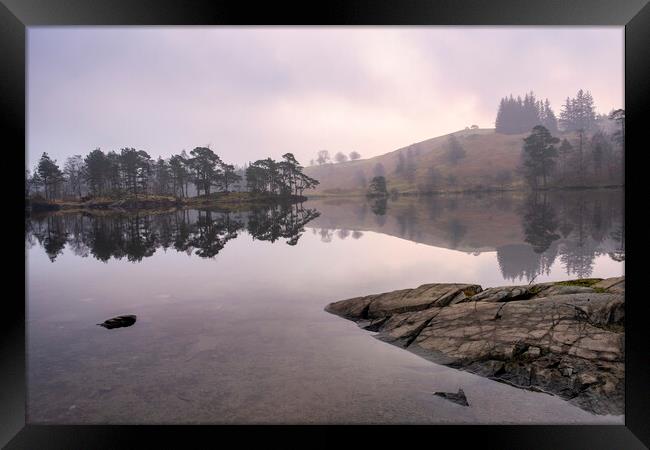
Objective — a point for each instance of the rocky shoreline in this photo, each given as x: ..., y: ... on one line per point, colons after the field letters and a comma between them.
x: 562, y: 338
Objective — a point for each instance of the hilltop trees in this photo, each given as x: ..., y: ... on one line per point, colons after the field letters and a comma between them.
x: 578, y: 114
x: 538, y: 156
x: 547, y: 116
x: 354, y: 155
x: 521, y: 115
x: 340, y: 157
x: 323, y: 157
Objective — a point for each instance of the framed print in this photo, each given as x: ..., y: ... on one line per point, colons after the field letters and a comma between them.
x: 289, y: 219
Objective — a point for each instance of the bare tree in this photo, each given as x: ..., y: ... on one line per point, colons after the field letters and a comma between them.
x: 323, y: 157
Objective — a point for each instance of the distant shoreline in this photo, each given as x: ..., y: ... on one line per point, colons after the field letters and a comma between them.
x: 471, y: 191
x: 227, y: 201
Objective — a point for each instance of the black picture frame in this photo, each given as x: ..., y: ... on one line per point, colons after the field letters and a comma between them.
x: 16, y: 15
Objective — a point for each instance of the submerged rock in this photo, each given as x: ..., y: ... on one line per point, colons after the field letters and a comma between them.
x: 118, y: 322
x: 562, y: 338
x: 456, y: 397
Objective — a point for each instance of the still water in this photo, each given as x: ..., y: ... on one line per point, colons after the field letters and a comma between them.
x: 230, y: 322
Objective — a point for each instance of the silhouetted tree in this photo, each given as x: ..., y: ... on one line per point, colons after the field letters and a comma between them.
x: 49, y: 175
x: 538, y: 155
x: 136, y: 168
x: 204, y: 163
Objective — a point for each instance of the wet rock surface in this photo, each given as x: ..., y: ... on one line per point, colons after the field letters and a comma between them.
x: 564, y: 338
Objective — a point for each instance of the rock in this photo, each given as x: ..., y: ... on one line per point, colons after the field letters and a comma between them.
x: 118, y: 322
x: 542, y: 290
x: 456, y: 397
x: 532, y: 352
x: 501, y: 294
x: 354, y: 308
x: 404, y: 300
x: 562, y: 339
x: 516, y: 293
x: 615, y: 285
x: 567, y: 371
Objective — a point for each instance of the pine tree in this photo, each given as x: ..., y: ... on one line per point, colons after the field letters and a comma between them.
x: 49, y: 174
x: 538, y: 155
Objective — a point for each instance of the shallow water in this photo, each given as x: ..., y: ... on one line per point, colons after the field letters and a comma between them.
x: 230, y: 322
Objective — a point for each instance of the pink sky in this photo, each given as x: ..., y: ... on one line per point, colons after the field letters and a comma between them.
x: 253, y: 92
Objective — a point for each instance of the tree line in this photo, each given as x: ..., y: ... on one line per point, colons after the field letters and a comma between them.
x: 546, y: 158
x: 323, y: 157
x: 132, y: 171
x: 285, y: 177
x: 517, y: 115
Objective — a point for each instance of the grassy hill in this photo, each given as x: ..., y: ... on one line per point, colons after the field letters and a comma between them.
x: 491, y: 162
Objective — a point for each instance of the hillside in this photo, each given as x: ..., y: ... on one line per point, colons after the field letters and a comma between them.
x: 491, y: 162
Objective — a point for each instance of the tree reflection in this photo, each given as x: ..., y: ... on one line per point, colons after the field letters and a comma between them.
x: 379, y: 205
x: 137, y: 236
x: 283, y: 221
x: 539, y: 222
x: 574, y: 226
x: 51, y: 234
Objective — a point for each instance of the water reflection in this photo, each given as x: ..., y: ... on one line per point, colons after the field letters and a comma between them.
x: 138, y: 235
x: 529, y: 232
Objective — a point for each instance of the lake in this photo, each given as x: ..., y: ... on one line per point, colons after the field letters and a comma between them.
x: 230, y: 322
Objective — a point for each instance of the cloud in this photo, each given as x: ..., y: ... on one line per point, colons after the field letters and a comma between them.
x: 252, y: 92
